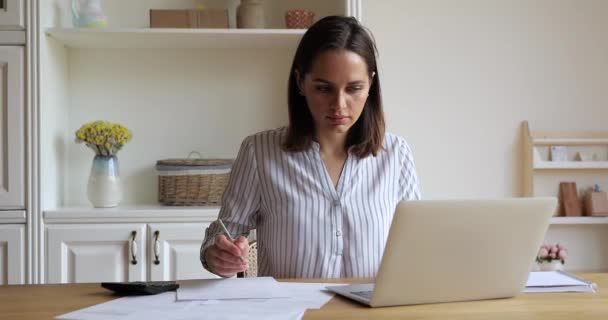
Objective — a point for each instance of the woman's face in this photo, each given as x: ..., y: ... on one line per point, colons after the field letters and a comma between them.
x: 336, y: 89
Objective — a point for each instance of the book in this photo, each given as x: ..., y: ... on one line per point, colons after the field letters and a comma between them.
x: 557, y: 281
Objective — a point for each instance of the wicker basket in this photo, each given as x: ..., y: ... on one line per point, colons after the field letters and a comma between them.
x: 192, y: 182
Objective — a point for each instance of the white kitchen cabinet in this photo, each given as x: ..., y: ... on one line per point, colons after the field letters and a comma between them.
x: 12, y: 254
x: 96, y: 253
x: 174, y: 251
x: 92, y: 245
x: 12, y: 14
x: 12, y: 139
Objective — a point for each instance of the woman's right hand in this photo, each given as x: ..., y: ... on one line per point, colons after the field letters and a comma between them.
x: 224, y: 257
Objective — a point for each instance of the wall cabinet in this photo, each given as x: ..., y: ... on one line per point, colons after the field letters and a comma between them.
x: 124, y: 252
x: 12, y: 254
x: 94, y: 253
x: 12, y: 135
x: 174, y: 251
x: 12, y: 14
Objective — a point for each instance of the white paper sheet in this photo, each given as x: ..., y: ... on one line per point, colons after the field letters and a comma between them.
x: 137, y: 307
x: 302, y: 296
x: 556, y: 281
x: 232, y: 288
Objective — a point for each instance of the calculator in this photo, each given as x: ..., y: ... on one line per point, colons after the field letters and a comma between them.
x: 140, y: 287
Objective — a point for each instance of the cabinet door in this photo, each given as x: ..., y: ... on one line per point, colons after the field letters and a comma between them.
x: 96, y: 253
x: 174, y: 251
x: 12, y: 14
x: 12, y: 136
x: 12, y: 254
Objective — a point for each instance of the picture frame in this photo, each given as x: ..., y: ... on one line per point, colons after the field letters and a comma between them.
x: 558, y: 153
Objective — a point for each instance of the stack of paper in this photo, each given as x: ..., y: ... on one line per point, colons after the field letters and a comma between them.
x: 221, y: 299
x: 557, y: 281
x: 231, y: 288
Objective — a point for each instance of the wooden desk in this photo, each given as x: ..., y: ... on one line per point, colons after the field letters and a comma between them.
x: 46, y: 301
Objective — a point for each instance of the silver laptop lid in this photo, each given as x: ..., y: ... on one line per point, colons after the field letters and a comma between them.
x: 457, y: 250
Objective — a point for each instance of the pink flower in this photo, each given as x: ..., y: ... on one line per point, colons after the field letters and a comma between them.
x: 553, y: 255
x: 546, y: 246
x: 563, y: 254
x: 553, y: 249
x: 543, y: 253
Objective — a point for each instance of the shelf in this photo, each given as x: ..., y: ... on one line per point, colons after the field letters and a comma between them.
x: 570, y: 141
x: 579, y: 220
x: 176, y: 38
x: 568, y: 165
x: 143, y: 214
x: 17, y: 216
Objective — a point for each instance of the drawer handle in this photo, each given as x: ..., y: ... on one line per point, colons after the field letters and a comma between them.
x: 156, y: 247
x: 133, y: 247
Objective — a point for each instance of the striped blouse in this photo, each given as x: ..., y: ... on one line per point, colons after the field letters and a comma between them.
x: 305, y: 226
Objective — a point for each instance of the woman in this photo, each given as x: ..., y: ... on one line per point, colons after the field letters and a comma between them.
x: 321, y: 193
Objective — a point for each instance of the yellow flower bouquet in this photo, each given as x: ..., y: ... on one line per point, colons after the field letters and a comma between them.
x: 105, y: 138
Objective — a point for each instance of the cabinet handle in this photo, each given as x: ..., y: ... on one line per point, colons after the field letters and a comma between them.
x: 156, y: 247
x: 133, y: 247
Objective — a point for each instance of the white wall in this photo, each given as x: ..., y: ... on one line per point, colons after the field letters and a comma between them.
x: 459, y: 77
x: 188, y: 100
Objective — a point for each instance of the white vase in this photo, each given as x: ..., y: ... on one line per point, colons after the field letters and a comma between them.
x: 250, y: 14
x: 553, y: 265
x: 104, y: 188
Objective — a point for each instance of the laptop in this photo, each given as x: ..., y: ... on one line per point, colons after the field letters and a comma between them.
x: 456, y: 250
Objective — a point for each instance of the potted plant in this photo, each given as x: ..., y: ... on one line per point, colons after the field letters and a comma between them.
x: 551, y: 257
x: 105, y: 139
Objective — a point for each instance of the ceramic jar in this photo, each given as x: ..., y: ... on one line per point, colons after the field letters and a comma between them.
x: 250, y: 14
x: 104, y: 189
x: 553, y: 265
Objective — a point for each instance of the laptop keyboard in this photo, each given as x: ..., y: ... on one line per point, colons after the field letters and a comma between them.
x: 364, y: 294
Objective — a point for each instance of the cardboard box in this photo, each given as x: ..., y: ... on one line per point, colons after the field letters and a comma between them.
x: 213, y: 18
x: 192, y: 18
x: 596, y: 204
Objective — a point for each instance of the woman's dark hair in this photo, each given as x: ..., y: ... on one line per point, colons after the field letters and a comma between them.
x: 331, y: 33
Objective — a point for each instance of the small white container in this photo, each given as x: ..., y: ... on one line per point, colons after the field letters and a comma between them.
x: 554, y: 265
x: 104, y: 189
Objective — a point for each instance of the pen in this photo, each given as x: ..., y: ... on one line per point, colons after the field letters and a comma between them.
x: 228, y: 234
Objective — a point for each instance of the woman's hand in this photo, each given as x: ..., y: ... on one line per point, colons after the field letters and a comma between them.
x: 226, y: 258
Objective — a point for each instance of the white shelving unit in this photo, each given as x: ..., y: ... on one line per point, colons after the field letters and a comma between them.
x: 539, y: 169
x: 568, y: 165
x: 584, y: 140
x: 585, y: 237
x: 178, y: 90
x: 578, y: 220
x: 75, y: 38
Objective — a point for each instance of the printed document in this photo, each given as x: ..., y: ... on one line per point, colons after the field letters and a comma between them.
x: 557, y: 281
